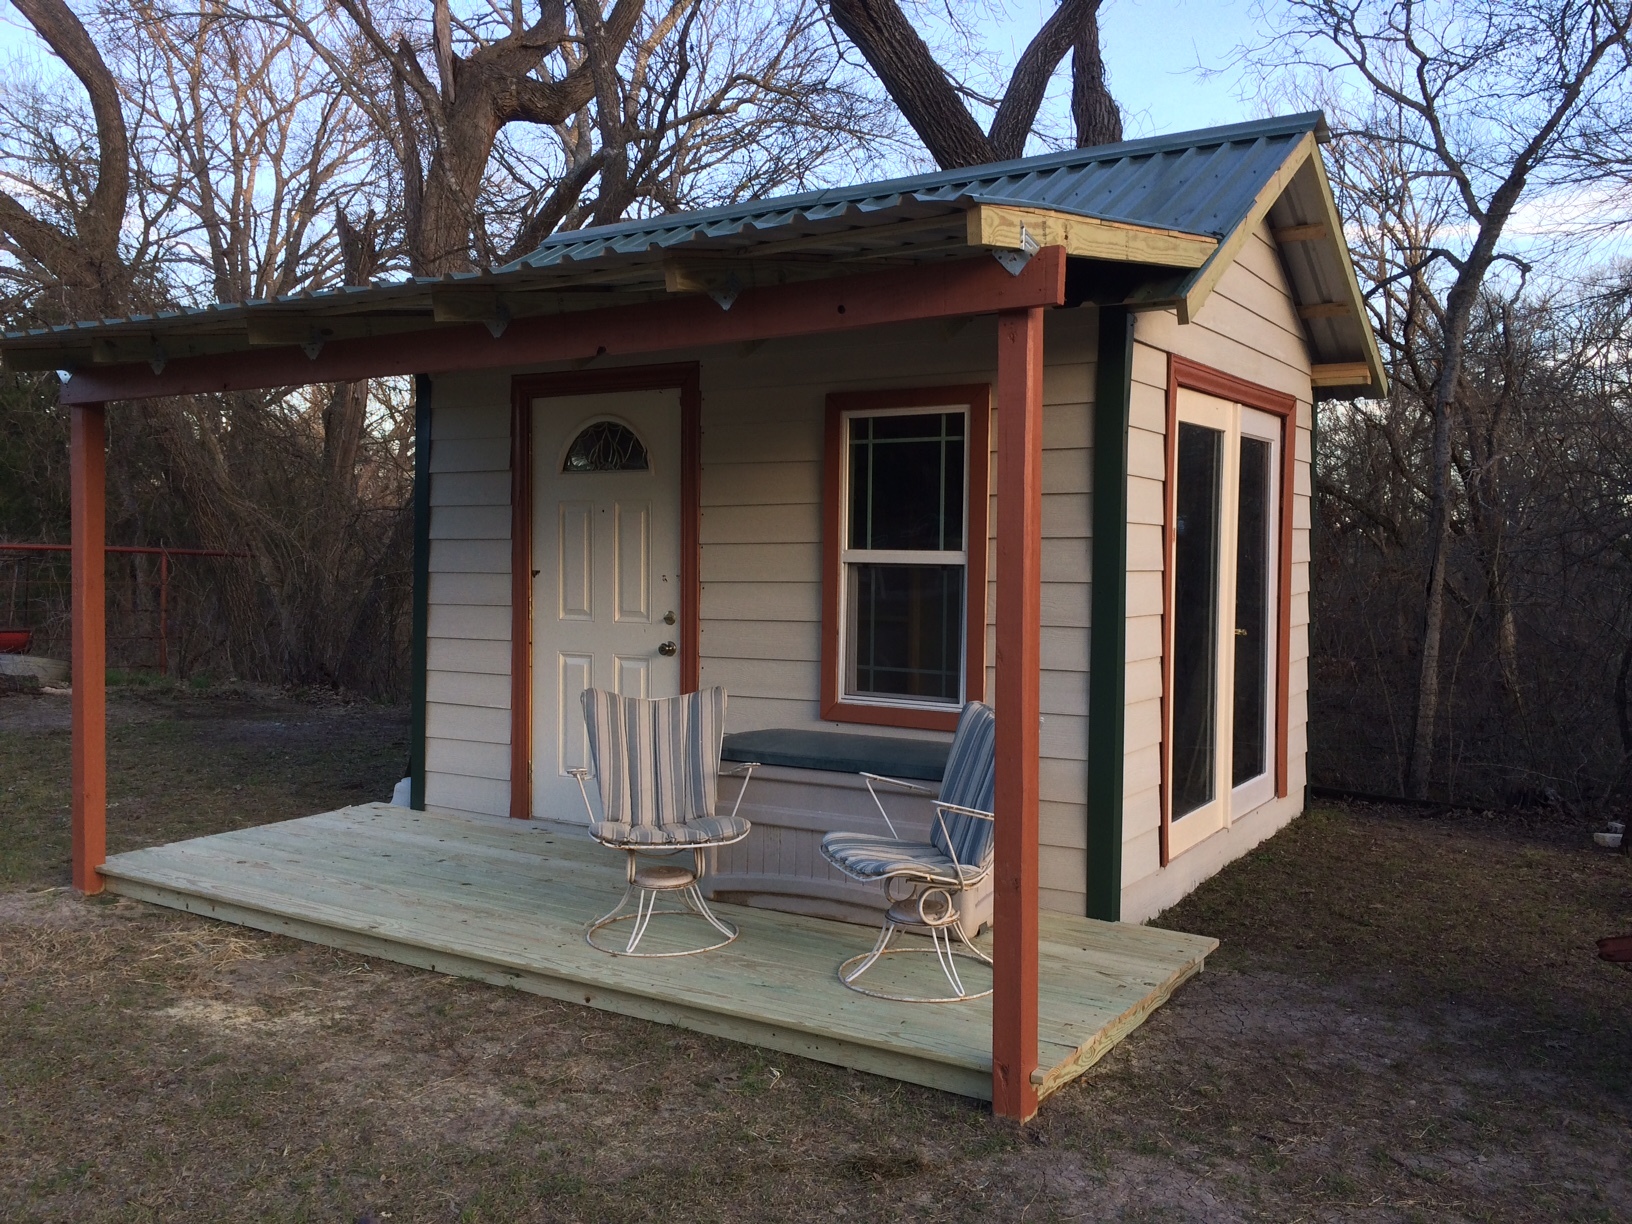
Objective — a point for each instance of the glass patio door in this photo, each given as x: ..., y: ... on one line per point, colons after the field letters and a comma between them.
x: 1224, y: 593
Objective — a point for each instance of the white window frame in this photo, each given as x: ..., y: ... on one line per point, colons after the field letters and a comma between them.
x: 898, y: 556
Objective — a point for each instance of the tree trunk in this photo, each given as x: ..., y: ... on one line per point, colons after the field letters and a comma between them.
x: 1458, y: 311
x: 86, y: 263
x: 1095, y: 113
x: 915, y: 82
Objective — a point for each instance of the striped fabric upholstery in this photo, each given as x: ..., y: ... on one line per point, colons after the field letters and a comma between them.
x: 657, y: 765
x: 969, y: 781
x: 709, y: 831
x: 864, y: 856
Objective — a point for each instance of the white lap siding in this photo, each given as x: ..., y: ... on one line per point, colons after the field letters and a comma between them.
x: 467, y: 715
x: 763, y: 418
x: 763, y: 414
x: 1249, y: 327
x: 761, y: 493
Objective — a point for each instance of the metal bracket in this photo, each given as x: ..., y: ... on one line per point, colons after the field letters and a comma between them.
x: 499, y: 321
x: 312, y: 347
x: 1014, y: 261
x: 157, y: 360
x: 725, y: 293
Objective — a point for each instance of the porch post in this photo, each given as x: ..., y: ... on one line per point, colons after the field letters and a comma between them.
x: 1019, y: 616
x: 87, y: 483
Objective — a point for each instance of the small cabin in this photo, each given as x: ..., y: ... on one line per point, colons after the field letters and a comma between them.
x: 1036, y: 433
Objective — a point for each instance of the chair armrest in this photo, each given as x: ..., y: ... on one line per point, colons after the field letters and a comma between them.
x: 963, y: 811
x: 746, y: 769
x: 578, y: 774
x: 912, y: 786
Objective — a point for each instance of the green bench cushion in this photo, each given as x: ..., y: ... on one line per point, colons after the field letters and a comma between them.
x: 841, y: 752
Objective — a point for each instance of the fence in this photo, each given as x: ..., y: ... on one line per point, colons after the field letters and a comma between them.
x: 155, y: 621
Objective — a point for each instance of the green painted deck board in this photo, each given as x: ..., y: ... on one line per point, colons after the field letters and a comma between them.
x: 507, y: 902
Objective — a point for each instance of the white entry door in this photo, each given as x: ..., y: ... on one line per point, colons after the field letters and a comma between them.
x: 606, y: 560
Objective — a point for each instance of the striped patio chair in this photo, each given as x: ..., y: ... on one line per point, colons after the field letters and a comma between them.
x: 657, y: 769
x: 957, y: 857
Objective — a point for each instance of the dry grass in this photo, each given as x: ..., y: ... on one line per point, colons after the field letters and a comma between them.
x: 1405, y: 1022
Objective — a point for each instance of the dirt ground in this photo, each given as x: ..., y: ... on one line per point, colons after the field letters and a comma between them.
x: 1405, y: 1021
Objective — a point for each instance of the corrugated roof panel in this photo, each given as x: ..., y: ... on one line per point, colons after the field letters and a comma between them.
x: 1195, y: 182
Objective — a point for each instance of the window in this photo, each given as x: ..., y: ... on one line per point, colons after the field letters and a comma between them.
x: 1227, y: 617
x: 605, y: 446
x: 905, y: 555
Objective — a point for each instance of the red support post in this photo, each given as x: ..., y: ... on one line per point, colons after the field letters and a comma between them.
x: 87, y: 479
x: 1019, y: 619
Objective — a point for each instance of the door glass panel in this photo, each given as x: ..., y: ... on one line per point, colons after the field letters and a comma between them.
x: 906, y: 631
x: 1195, y: 617
x: 1252, y: 613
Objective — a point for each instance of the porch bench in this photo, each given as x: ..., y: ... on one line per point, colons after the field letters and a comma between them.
x: 809, y: 785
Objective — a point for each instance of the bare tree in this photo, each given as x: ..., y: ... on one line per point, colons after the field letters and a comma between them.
x: 1501, y: 102
x: 937, y: 106
x: 76, y: 253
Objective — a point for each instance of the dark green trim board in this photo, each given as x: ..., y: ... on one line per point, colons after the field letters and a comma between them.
x: 1108, y: 614
x: 422, y: 590
x: 1314, y: 539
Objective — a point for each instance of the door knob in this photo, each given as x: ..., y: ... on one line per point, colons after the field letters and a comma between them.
x: 668, y: 650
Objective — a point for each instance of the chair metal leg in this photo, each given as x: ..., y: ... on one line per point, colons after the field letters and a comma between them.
x: 647, y: 884
x: 909, y: 915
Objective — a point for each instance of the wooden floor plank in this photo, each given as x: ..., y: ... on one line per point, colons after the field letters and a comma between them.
x: 508, y: 902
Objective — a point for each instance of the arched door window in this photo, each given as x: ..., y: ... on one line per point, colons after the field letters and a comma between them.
x: 606, y: 446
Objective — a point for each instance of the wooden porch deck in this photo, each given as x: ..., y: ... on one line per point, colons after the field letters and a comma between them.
x: 507, y: 902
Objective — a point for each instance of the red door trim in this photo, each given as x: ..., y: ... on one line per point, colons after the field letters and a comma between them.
x: 1184, y: 373
x: 685, y: 377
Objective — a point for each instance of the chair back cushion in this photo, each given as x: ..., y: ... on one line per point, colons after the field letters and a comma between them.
x: 656, y: 762
x: 969, y: 781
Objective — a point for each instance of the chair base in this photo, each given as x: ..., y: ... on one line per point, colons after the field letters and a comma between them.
x: 941, y: 947
x: 648, y: 883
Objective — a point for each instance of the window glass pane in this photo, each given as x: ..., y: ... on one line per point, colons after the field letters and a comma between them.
x: 906, y: 481
x: 1195, y: 617
x: 605, y: 446
x: 1252, y: 614
x: 905, y: 631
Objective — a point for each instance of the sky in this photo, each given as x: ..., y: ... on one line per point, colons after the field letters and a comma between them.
x: 1151, y: 47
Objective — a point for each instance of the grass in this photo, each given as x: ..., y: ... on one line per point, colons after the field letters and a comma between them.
x: 1405, y: 1021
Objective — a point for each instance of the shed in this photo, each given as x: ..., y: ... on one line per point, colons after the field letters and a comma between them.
x: 1036, y: 432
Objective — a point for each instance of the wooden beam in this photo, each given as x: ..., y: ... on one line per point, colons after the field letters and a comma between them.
x: 935, y: 291
x: 951, y: 223
x: 30, y: 361
x: 270, y: 330
x: 1271, y: 191
x: 1376, y: 376
x: 1019, y: 621
x: 87, y: 483
x: 1341, y: 374
x: 993, y: 225
x: 477, y: 305
x: 1326, y: 310
x: 1303, y: 233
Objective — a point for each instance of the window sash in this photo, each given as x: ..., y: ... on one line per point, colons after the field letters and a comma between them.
x: 850, y: 557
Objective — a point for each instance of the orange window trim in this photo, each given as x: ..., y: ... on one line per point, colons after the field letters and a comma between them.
x: 978, y: 398
x: 1191, y: 375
